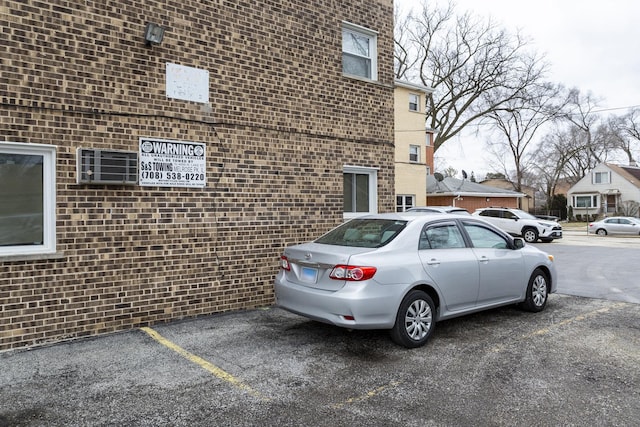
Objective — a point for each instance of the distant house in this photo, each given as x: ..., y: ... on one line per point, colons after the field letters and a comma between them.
x: 413, y: 145
x: 527, y: 203
x: 605, y: 191
x: 469, y: 195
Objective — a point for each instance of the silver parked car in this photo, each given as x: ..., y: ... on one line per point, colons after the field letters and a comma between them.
x: 615, y: 225
x: 439, y: 209
x: 404, y: 272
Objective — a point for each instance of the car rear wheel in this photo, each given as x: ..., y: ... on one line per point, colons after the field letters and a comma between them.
x: 530, y: 235
x: 414, y: 321
x: 537, y: 291
x: 601, y: 232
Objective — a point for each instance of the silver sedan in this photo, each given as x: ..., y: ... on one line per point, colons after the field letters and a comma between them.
x: 404, y: 272
x: 616, y: 225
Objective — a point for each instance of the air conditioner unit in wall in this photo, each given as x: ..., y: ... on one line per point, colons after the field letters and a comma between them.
x: 107, y: 167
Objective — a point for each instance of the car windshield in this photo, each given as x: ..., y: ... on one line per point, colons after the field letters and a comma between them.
x: 364, y: 233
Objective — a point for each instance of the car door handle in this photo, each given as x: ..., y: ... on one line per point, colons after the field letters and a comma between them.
x: 433, y: 261
x: 484, y: 259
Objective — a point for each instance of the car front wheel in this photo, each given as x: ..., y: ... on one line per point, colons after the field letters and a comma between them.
x: 537, y: 291
x: 414, y: 321
x: 530, y: 235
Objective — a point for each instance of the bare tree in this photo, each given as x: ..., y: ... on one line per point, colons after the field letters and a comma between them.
x: 629, y: 208
x: 450, y: 172
x: 577, y: 144
x: 552, y: 160
x: 518, y: 121
x: 589, y: 133
x: 473, y: 66
x: 626, y: 132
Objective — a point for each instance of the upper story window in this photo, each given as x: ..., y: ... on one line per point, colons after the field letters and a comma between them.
x: 359, y: 51
x: 360, y: 194
x: 414, y: 153
x: 27, y: 199
x: 601, y: 177
x: 428, y: 139
x: 414, y: 102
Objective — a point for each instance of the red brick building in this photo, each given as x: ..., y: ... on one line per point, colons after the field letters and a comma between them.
x: 469, y: 195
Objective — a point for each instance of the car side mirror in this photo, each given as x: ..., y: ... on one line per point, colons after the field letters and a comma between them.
x: 518, y: 242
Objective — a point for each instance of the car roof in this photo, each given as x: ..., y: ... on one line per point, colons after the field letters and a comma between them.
x: 497, y: 207
x: 428, y: 218
x: 410, y: 216
x: 437, y: 209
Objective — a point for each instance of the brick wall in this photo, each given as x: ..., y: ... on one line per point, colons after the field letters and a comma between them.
x: 281, y: 123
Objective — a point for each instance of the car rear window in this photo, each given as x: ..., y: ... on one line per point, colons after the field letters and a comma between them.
x: 364, y: 233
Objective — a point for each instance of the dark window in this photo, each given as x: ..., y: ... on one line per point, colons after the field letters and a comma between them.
x: 21, y: 194
x: 366, y: 233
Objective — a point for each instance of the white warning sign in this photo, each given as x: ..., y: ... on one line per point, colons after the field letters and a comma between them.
x: 165, y: 163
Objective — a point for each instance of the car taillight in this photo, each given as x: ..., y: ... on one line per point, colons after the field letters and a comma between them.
x: 352, y: 273
x: 284, y: 263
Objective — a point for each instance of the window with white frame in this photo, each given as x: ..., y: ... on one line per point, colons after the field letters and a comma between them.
x: 585, y: 201
x: 27, y: 199
x: 359, y: 191
x: 414, y: 153
x: 404, y: 202
x: 359, y: 51
x: 414, y: 102
x: 601, y: 178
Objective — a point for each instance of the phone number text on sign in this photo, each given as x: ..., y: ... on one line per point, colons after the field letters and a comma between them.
x: 165, y: 163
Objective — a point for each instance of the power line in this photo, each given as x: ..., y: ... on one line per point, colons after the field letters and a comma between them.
x: 615, y: 108
x: 477, y: 125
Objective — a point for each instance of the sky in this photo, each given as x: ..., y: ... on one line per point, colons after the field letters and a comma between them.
x: 591, y: 45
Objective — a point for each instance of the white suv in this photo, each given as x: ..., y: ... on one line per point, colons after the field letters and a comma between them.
x: 520, y: 223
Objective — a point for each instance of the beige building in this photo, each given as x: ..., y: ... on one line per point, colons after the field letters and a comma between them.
x: 413, y: 145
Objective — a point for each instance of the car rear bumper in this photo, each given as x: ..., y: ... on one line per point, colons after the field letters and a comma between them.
x: 371, y: 305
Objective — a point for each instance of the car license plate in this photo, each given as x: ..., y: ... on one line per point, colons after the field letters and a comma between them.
x: 309, y: 275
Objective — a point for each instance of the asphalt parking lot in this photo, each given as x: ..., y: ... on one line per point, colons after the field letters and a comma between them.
x: 597, y: 267
x: 576, y: 363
